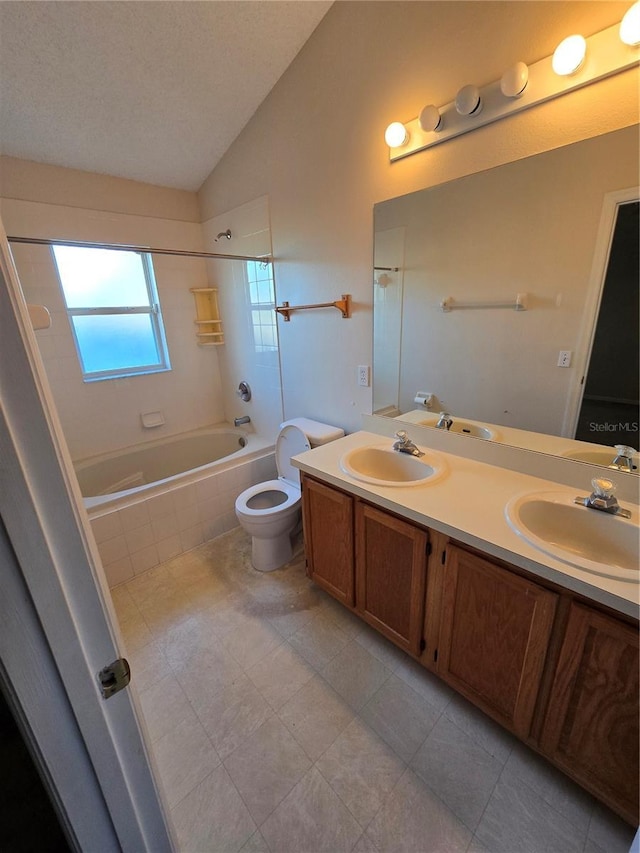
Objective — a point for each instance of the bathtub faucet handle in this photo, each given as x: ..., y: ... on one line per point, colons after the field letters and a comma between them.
x: 244, y: 391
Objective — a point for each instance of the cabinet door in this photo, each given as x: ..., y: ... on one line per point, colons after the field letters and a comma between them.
x: 591, y: 724
x: 390, y: 575
x: 327, y: 515
x: 494, y: 635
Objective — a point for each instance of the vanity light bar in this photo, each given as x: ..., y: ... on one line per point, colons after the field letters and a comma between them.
x: 605, y: 56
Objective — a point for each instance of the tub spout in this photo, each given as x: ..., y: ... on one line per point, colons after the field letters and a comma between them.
x: 244, y: 420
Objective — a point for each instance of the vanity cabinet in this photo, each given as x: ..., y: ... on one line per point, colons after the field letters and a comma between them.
x: 494, y: 633
x: 327, y: 515
x: 591, y: 722
x: 391, y: 557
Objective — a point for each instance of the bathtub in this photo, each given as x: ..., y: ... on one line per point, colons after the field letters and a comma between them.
x: 150, y: 503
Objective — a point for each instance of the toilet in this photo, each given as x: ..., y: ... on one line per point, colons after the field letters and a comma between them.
x: 270, y: 511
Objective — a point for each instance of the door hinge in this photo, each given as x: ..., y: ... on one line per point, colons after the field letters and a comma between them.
x: 114, y: 677
x: 429, y: 549
x: 443, y: 557
x: 435, y: 656
x: 423, y: 644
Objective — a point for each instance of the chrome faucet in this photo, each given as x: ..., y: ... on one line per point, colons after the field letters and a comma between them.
x: 603, y: 499
x: 624, y: 458
x: 445, y: 421
x: 245, y: 419
x: 405, y: 445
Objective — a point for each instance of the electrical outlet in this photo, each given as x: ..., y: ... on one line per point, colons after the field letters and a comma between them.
x: 564, y: 358
x: 363, y: 375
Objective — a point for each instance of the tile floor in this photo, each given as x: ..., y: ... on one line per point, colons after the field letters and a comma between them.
x: 280, y: 722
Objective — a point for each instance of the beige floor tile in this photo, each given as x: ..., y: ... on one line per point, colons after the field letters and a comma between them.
x: 365, y: 845
x: 149, y: 664
x: 185, y: 756
x: 232, y: 714
x: 124, y: 605
x: 136, y: 634
x: 212, y: 817
x: 516, y: 818
x: 251, y: 640
x: 381, y: 648
x: 608, y: 831
x: 164, y: 705
x: 319, y: 641
x: 152, y: 585
x: 361, y: 769
x: 429, y: 686
x: 401, y: 717
x: 280, y: 674
x: 315, y: 716
x: 190, y: 638
x: 457, y: 770
x: 266, y: 767
x: 294, y: 610
x: 256, y: 844
x: 552, y: 785
x: 413, y: 819
x: 341, y: 616
x: 480, y: 728
x: 355, y: 674
x: 311, y: 818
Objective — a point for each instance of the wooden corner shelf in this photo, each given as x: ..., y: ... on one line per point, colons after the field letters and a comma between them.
x: 209, y: 325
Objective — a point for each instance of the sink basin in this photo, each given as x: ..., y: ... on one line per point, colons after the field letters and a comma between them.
x: 597, y: 457
x: 383, y: 466
x: 589, y: 539
x: 466, y: 428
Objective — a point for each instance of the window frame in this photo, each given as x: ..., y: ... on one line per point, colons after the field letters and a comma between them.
x: 152, y: 310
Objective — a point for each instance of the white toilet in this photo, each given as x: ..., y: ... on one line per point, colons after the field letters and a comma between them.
x: 270, y: 511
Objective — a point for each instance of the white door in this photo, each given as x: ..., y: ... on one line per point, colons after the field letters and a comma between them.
x: 57, y: 625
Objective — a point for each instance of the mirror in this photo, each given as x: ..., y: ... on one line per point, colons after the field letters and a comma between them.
x: 517, y: 254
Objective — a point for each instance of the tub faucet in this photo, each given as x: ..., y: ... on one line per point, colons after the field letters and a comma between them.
x: 245, y: 419
x: 405, y: 445
x: 603, y: 499
x: 445, y: 421
x: 624, y: 458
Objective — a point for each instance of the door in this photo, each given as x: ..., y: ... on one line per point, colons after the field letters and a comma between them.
x: 494, y: 635
x: 327, y: 516
x: 57, y: 627
x: 391, y: 565
x: 591, y: 723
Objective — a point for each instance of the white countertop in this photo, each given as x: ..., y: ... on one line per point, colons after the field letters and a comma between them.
x: 468, y: 504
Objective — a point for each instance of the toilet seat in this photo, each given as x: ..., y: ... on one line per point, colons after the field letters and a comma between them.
x: 292, y: 492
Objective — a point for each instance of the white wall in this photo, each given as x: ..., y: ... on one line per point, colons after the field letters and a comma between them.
x: 316, y: 147
x: 102, y: 416
x: 240, y: 359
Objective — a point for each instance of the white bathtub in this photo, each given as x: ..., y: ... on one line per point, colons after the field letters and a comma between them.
x: 181, y: 493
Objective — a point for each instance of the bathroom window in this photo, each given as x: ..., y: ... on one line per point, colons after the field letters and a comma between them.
x: 263, y: 302
x: 113, y: 308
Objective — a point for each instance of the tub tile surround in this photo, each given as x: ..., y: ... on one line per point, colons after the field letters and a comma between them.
x: 261, y: 752
x: 150, y: 531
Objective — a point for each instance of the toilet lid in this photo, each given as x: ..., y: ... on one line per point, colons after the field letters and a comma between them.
x: 291, y: 441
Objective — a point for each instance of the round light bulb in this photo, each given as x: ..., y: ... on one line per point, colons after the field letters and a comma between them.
x: 430, y: 118
x: 396, y: 135
x: 569, y: 55
x: 514, y: 80
x: 630, y: 26
x: 468, y: 101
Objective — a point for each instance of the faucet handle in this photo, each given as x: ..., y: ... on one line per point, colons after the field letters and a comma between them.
x: 402, y: 435
x: 603, y: 488
x: 624, y: 450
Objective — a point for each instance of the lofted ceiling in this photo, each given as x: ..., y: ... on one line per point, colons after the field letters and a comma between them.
x: 147, y: 90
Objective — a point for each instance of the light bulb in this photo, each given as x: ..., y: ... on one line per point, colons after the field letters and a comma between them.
x: 468, y: 101
x: 430, y: 118
x: 569, y: 55
x: 396, y: 135
x: 630, y: 26
x: 514, y: 80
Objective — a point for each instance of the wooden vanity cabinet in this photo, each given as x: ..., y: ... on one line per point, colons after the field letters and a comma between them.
x: 494, y: 633
x: 328, y: 519
x: 391, y: 557
x: 591, y: 721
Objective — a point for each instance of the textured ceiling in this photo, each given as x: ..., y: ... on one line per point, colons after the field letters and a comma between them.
x: 153, y: 91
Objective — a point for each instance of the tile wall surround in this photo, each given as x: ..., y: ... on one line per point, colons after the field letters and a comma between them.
x: 150, y: 531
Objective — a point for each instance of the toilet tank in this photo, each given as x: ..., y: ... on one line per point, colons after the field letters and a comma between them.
x: 317, y: 432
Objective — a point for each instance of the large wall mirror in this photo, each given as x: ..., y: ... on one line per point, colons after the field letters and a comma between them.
x: 485, y: 286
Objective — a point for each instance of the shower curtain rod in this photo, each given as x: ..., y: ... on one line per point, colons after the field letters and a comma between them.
x: 120, y: 247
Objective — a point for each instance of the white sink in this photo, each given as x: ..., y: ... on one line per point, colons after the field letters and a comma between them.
x: 383, y: 466
x: 597, y: 457
x: 589, y: 539
x: 466, y: 428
